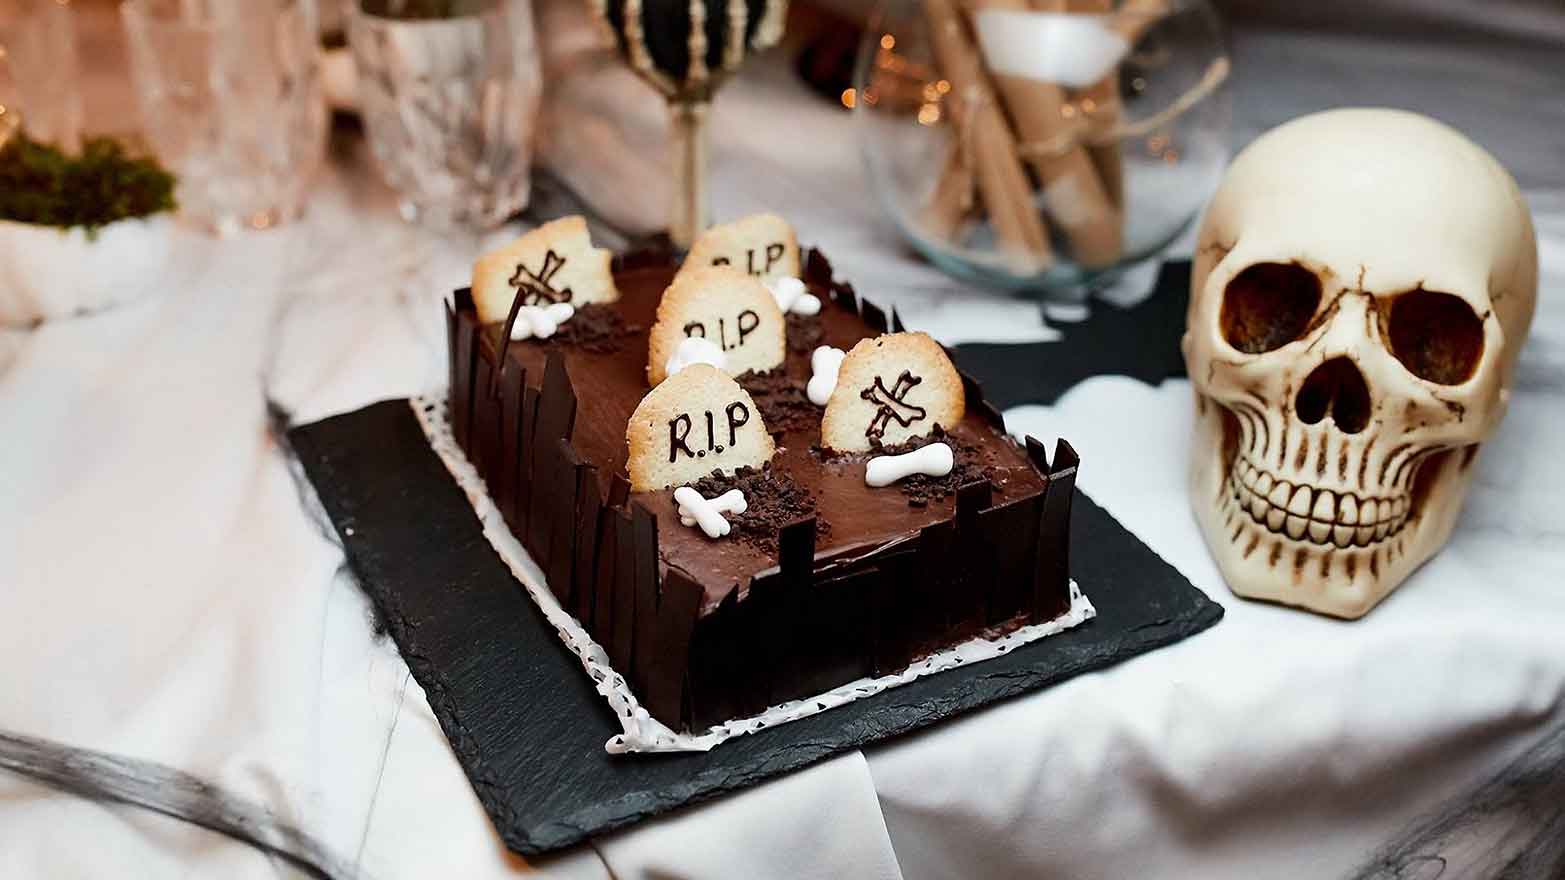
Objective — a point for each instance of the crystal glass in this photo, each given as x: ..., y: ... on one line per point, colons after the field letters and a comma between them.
x: 449, y: 93
x: 686, y: 51
x: 231, y: 101
x: 40, y: 54
x: 1038, y: 150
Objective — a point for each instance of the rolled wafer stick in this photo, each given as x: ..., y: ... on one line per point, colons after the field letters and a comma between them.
x: 988, y: 142
x: 1072, y: 189
x: 1100, y: 103
x: 952, y: 200
x: 1135, y: 17
x: 1101, y: 107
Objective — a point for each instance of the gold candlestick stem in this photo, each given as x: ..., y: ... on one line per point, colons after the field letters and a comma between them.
x: 688, y: 218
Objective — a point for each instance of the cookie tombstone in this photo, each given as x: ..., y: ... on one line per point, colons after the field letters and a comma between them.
x: 723, y: 305
x: 551, y: 264
x: 891, y: 389
x: 697, y: 422
x: 761, y: 245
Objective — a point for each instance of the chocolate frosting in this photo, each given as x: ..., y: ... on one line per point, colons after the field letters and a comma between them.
x: 828, y: 582
x: 609, y: 384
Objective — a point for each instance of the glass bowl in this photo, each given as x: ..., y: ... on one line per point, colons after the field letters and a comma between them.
x: 1042, y: 151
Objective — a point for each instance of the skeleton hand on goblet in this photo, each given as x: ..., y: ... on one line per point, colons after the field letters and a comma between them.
x: 686, y: 49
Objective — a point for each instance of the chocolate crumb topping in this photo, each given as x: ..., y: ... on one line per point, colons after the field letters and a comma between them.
x: 804, y: 333
x: 970, y: 466
x: 596, y: 328
x: 774, y: 501
x: 785, y: 407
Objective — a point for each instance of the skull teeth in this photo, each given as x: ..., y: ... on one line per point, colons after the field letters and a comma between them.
x: 1322, y: 516
x: 1300, y: 504
x: 1342, y: 536
x: 1320, y: 532
x: 1277, y: 501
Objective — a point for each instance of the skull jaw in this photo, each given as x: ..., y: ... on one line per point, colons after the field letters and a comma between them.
x: 1259, y: 564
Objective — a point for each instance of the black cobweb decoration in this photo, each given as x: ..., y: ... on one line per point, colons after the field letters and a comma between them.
x: 108, y: 778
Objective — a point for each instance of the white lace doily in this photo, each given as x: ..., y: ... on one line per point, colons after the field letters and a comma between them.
x: 641, y: 732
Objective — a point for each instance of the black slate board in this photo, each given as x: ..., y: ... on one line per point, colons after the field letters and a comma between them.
x: 1140, y: 341
x: 519, y: 710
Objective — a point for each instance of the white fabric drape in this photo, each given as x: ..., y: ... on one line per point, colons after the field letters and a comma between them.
x: 166, y: 593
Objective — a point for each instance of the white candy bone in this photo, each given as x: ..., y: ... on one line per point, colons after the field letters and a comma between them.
x: 540, y: 321
x: 793, y: 296
x: 695, y: 350
x: 731, y: 501
x: 824, y: 364
x: 934, y: 460
x: 708, y: 512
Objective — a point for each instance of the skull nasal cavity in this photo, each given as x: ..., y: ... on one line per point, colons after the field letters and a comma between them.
x: 1338, y: 388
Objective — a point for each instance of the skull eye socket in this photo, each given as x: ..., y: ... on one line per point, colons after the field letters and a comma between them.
x: 1436, y: 336
x: 1268, y: 305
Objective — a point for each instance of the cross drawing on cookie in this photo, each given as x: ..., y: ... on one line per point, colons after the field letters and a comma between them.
x: 537, y: 288
x: 892, y: 405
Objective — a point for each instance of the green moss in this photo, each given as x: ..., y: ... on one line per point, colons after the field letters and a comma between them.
x: 40, y: 184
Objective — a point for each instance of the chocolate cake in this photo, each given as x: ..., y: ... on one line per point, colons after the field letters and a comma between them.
x: 824, y: 579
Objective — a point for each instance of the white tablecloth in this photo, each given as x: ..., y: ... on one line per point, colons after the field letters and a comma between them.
x: 167, y: 592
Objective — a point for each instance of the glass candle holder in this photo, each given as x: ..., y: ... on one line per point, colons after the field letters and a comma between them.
x: 1039, y: 150
x: 449, y: 93
x: 231, y: 101
x: 40, y: 54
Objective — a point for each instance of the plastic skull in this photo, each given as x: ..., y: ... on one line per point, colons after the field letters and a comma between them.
x: 1362, y: 286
